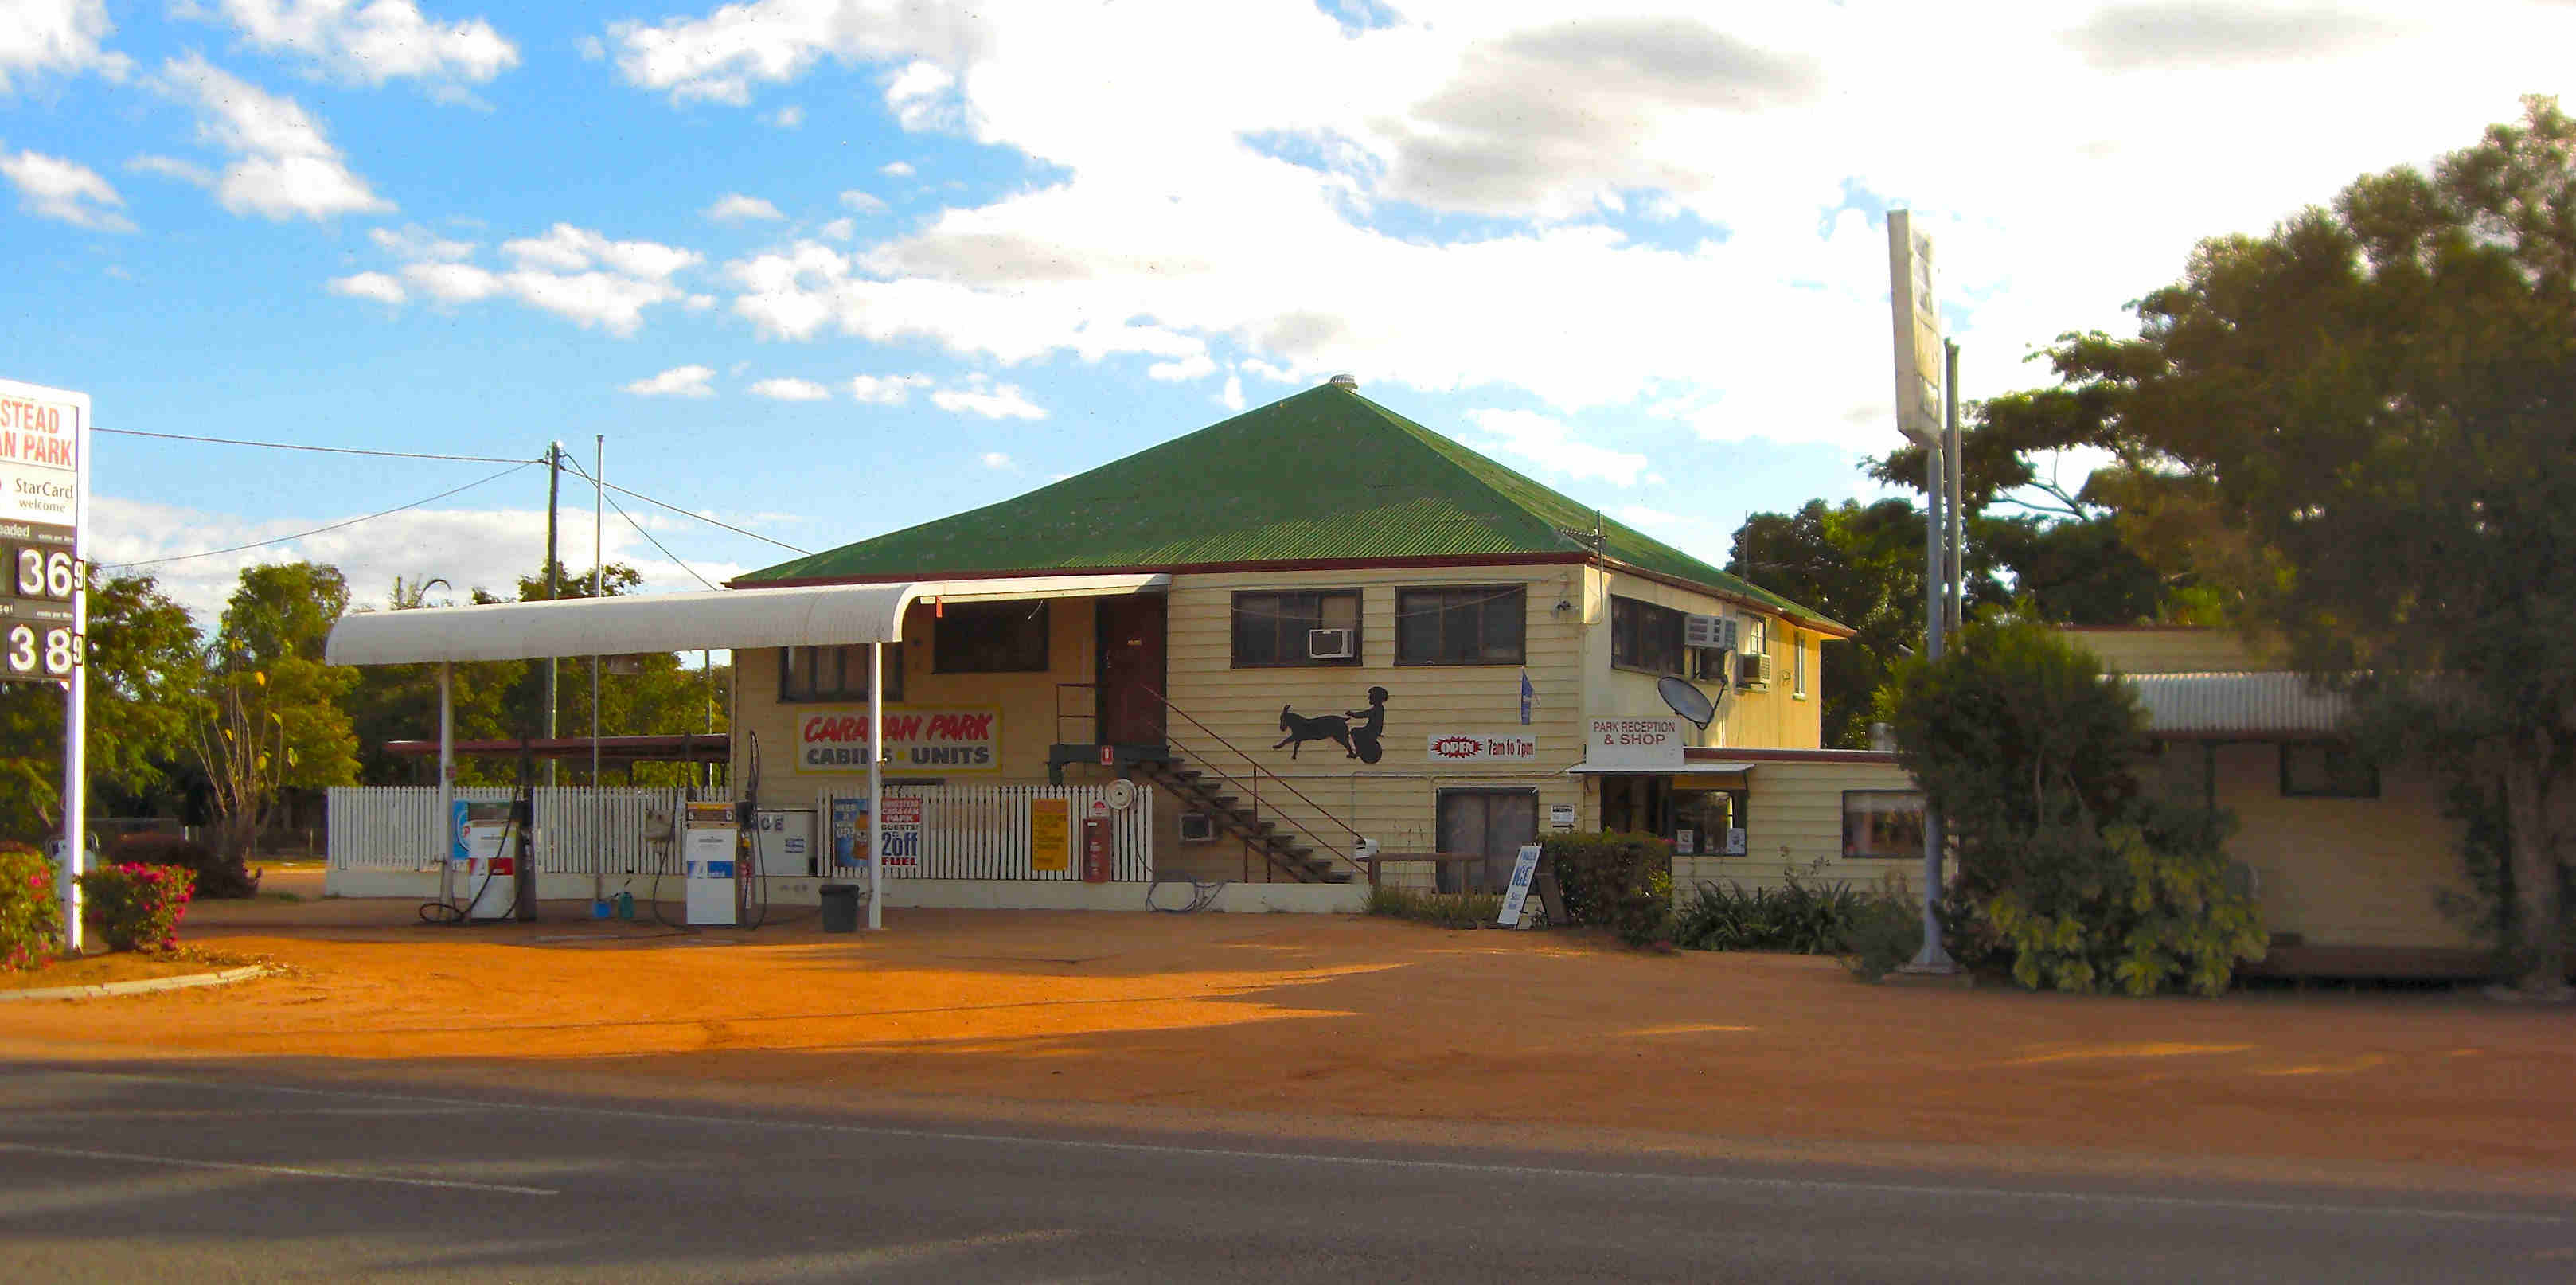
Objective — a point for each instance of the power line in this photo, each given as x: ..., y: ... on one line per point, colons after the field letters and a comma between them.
x: 299, y: 446
x: 261, y: 544
x: 686, y: 513
x: 666, y: 552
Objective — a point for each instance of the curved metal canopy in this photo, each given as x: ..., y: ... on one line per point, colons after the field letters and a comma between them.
x: 804, y: 616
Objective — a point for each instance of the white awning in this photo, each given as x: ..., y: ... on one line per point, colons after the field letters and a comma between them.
x: 804, y: 616
x: 1686, y: 769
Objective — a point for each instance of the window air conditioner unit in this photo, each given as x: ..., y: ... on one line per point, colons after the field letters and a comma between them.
x: 1197, y: 827
x: 1753, y: 671
x: 1708, y: 631
x: 1331, y: 644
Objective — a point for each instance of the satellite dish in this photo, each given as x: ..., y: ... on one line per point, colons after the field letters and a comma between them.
x: 1687, y: 700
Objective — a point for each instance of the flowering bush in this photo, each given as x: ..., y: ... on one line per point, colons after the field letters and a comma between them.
x: 137, y: 907
x: 31, y: 912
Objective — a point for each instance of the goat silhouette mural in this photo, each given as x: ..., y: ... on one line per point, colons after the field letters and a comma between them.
x: 1360, y: 740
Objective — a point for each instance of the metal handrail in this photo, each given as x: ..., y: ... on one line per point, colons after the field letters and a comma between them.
x: 1257, y: 771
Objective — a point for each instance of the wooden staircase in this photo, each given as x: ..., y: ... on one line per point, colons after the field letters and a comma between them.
x: 1280, y: 847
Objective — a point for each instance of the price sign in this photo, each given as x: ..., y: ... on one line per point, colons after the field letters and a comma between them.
x: 43, y: 434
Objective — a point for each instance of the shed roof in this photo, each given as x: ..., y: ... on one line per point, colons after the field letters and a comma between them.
x: 2257, y: 703
x: 1325, y: 475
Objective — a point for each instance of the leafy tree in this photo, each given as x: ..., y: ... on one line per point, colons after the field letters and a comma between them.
x: 400, y: 702
x: 2365, y: 418
x: 271, y: 720
x: 2031, y: 755
x: 142, y: 694
x: 1860, y: 565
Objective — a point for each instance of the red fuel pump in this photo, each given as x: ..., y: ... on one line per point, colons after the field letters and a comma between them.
x: 1095, y: 850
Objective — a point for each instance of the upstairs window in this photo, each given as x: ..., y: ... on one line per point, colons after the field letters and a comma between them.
x: 990, y: 638
x: 2324, y: 770
x: 834, y: 673
x: 1797, y: 665
x: 1278, y: 628
x: 1645, y: 637
x: 1462, y: 626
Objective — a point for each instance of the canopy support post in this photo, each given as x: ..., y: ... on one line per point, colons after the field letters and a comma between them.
x: 876, y: 786
x: 446, y: 773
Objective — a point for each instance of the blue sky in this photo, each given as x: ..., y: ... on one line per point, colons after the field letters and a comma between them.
x: 825, y: 268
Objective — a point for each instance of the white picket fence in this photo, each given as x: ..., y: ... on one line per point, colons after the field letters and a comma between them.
x: 968, y: 831
x: 982, y: 831
x: 397, y: 827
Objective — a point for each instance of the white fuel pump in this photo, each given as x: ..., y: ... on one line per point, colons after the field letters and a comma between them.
x: 708, y: 835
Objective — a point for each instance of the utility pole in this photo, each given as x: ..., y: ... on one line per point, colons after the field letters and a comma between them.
x: 554, y: 495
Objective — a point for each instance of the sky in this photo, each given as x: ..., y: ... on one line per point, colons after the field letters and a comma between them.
x: 821, y: 269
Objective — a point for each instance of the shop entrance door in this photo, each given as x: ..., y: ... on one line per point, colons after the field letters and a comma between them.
x: 1131, y: 669
x: 1491, y: 823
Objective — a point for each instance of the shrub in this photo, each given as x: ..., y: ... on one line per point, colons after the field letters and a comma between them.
x: 1802, y: 916
x: 218, y: 877
x: 137, y: 907
x: 1447, y: 909
x: 1623, y: 882
x: 31, y: 909
x: 2030, y: 752
x: 2148, y: 907
x: 1885, y: 932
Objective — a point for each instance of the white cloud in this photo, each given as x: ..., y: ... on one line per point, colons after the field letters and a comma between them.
x: 734, y: 206
x: 996, y: 460
x: 1183, y: 369
x: 788, y: 117
x: 370, y: 43
x: 678, y: 381
x: 839, y: 229
x: 283, y: 167
x: 565, y: 248
x: 1003, y: 402
x: 1552, y: 446
x: 468, y: 547
x: 172, y: 167
x: 1288, y: 219
x: 50, y: 187
x: 368, y: 285
x: 415, y: 242
x: 1232, y: 397
x: 791, y: 390
x: 863, y: 202
x: 886, y: 390
x: 896, y: 169
x: 65, y: 37
x: 453, y: 282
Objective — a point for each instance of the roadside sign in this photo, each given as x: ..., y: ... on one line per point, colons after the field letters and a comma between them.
x: 44, y: 444
x: 1524, y: 865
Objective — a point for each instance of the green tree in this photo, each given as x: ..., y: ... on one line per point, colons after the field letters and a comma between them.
x: 2031, y: 754
x: 2366, y: 413
x: 271, y: 719
x: 400, y: 703
x: 143, y: 694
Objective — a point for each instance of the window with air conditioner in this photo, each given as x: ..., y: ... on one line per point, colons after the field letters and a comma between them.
x: 1308, y: 627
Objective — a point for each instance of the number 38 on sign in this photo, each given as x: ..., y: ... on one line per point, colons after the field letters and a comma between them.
x: 42, y: 571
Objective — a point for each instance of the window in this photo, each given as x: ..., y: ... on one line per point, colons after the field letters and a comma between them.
x: 1645, y: 636
x: 1271, y: 628
x: 1467, y: 626
x: 2319, y: 770
x: 1797, y: 665
x: 1882, y: 823
x: 834, y: 673
x: 990, y: 638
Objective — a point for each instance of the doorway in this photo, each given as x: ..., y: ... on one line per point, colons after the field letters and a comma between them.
x: 1490, y: 823
x: 1131, y: 669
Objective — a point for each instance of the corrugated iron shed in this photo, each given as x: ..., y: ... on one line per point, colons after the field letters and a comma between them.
x: 2268, y: 703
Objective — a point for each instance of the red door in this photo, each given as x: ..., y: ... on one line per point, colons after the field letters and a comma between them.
x: 1131, y: 669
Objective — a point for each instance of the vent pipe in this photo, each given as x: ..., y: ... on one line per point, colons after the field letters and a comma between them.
x: 1345, y: 381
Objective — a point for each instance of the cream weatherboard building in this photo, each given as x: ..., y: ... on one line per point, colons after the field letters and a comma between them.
x: 1344, y: 630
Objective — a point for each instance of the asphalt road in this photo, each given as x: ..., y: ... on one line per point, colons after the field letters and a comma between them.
x: 144, y: 1174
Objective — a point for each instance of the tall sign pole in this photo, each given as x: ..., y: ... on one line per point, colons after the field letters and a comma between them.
x: 1921, y: 358
x: 44, y: 612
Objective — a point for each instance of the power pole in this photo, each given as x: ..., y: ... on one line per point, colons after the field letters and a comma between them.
x: 554, y: 493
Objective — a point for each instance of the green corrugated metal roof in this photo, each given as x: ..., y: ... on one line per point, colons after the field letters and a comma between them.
x: 1324, y: 474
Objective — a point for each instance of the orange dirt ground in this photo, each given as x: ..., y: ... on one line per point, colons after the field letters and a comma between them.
x: 1350, y: 1024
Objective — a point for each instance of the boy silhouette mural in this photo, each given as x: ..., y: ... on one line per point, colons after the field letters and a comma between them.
x: 1371, y: 723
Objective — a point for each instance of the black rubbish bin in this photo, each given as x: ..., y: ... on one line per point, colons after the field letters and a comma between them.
x: 840, y: 907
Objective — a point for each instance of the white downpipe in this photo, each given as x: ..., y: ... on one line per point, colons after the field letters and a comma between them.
x: 876, y: 787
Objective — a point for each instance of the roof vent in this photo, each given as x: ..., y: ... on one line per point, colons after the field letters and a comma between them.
x: 1344, y: 381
